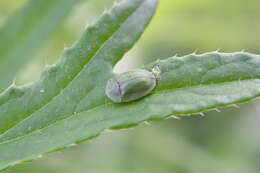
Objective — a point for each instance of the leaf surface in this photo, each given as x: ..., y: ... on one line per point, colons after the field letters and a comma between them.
x: 68, y: 105
x: 73, y: 85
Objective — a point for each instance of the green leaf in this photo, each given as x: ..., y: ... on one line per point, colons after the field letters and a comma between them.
x: 74, y: 85
x: 68, y: 105
x: 26, y: 30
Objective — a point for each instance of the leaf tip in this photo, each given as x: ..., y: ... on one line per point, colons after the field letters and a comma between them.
x: 218, y: 50
x: 202, y: 114
x: 235, y: 106
x: 216, y: 109
x: 243, y: 51
x: 107, y: 130
x: 72, y: 145
x: 195, y: 52
x: 147, y: 123
x: 116, y: 3
x: 39, y: 156
x: 175, y: 117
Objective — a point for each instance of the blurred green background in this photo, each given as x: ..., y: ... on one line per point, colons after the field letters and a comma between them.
x: 223, y: 142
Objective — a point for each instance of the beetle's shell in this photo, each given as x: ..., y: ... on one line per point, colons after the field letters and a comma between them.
x: 130, y: 86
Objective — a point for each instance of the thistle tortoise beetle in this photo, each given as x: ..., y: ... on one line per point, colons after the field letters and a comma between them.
x: 130, y: 86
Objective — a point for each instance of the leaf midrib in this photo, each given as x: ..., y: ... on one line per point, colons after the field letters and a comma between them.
x: 110, y: 103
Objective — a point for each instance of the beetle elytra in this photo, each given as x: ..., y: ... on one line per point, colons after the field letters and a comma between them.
x: 130, y: 86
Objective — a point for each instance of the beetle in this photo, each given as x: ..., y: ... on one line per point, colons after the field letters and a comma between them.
x: 130, y: 86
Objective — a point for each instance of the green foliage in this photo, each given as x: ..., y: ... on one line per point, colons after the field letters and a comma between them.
x: 68, y: 104
x: 26, y: 31
x: 75, y: 84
